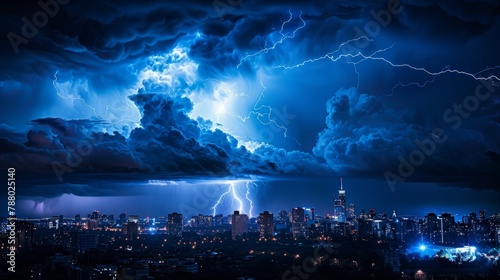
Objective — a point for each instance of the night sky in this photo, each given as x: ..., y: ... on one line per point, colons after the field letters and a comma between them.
x: 151, y: 107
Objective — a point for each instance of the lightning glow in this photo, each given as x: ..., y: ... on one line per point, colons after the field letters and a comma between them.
x: 244, y: 203
x: 265, y: 118
x: 280, y: 41
x: 354, y: 56
x: 108, y: 108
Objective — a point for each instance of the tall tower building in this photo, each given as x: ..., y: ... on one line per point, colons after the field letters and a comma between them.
x: 482, y: 215
x: 340, y: 205
x: 266, y: 224
x: 175, y: 224
x: 432, y: 228
x: 239, y: 224
x: 351, y: 212
x: 447, y: 227
x: 298, y: 222
x: 25, y: 232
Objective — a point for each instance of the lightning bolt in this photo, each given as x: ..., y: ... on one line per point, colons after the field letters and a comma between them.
x: 263, y: 117
x: 283, y: 38
x: 263, y: 113
x: 93, y: 109
x: 234, y: 192
x: 247, y: 195
x: 355, y: 57
x: 219, y: 201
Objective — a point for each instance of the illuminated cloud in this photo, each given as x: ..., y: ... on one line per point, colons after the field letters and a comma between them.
x: 172, y: 88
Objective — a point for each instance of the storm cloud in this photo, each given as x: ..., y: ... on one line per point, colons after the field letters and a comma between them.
x: 127, y: 87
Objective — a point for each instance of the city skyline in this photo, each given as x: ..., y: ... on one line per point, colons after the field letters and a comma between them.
x: 323, y: 207
x: 291, y: 93
x: 281, y: 111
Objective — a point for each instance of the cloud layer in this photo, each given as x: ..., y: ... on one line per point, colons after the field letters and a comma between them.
x: 114, y: 87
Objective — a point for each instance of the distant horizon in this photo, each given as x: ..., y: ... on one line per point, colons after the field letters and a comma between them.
x: 412, y: 199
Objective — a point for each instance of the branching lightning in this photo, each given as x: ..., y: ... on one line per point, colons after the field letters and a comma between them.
x: 233, y: 192
x: 280, y: 41
x: 263, y: 113
x: 92, y: 108
x: 263, y: 117
x: 355, y: 56
x: 247, y: 195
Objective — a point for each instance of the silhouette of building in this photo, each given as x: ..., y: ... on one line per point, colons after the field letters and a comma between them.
x: 25, y: 232
x: 175, y: 224
x: 340, y: 205
x: 82, y: 241
x: 239, y: 224
x: 298, y: 222
x: 431, y: 229
x: 447, y: 227
x: 266, y: 224
x: 203, y: 220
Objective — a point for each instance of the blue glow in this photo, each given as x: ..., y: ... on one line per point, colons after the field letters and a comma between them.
x: 422, y: 247
x: 241, y: 202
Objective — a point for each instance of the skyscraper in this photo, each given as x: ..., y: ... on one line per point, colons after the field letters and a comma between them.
x: 82, y: 241
x: 24, y: 234
x: 351, y: 211
x: 202, y: 221
x: 447, y: 227
x: 482, y: 215
x: 239, y: 224
x: 431, y: 229
x: 266, y: 224
x: 175, y: 224
x: 132, y: 230
x: 339, y: 210
x: 298, y: 222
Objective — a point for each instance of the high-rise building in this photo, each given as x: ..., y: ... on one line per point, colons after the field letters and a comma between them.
x: 364, y: 228
x: 132, y: 230
x: 122, y: 217
x: 3, y: 224
x: 298, y: 222
x: 447, y: 227
x: 473, y: 217
x: 283, y: 217
x: 218, y: 220
x: 466, y: 220
x: 54, y: 222
x: 482, y: 232
x: 409, y: 229
x: 133, y: 226
x: 362, y: 214
x: 482, y: 215
x: 82, y: 241
x: 340, y: 205
x: 202, y: 221
x: 24, y: 234
x: 95, y: 215
x: 351, y: 211
x: 239, y: 224
x: 133, y: 218
x: 431, y: 228
x: 93, y: 220
x: 266, y: 224
x: 175, y: 224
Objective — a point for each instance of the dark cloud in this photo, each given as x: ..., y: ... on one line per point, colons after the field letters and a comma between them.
x: 98, y: 48
x: 365, y: 138
x: 168, y: 141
